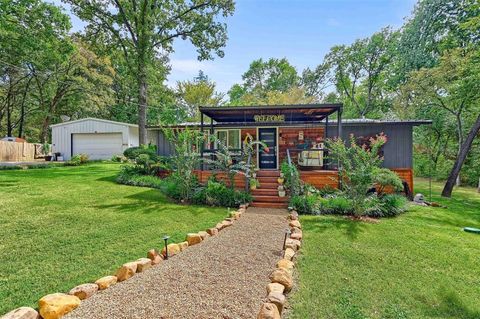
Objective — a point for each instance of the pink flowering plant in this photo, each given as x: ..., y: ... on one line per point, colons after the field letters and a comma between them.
x: 360, y: 170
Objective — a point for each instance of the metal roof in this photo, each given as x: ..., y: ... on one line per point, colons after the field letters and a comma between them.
x: 93, y: 119
x: 330, y: 122
x: 308, y: 113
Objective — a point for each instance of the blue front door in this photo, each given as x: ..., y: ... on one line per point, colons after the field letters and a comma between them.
x: 269, y: 137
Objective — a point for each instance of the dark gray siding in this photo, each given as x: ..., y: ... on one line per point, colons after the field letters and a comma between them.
x: 397, y: 151
x: 164, y: 147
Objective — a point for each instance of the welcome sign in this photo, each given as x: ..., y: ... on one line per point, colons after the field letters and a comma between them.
x: 269, y: 118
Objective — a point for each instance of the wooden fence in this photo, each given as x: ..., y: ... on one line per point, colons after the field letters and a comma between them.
x: 16, y: 152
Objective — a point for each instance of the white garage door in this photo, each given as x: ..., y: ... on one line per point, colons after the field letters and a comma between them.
x: 97, y: 146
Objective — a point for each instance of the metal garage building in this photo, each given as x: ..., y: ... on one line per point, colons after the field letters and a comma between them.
x: 99, y: 139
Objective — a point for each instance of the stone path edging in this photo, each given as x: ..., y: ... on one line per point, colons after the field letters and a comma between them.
x: 56, y: 305
x: 281, y: 278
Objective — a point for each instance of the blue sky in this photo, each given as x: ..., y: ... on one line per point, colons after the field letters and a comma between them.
x: 303, y: 31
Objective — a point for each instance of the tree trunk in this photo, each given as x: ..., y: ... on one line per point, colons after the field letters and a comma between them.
x: 460, y: 143
x: 467, y: 144
x: 142, y: 100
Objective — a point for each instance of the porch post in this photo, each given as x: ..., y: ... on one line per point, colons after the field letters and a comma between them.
x: 325, y: 151
x: 211, y: 144
x: 339, y: 134
x: 202, y: 146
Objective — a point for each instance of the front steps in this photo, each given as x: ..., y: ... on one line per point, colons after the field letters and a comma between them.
x: 267, y: 194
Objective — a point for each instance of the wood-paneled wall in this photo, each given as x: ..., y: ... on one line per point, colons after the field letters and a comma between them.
x: 288, y: 139
x: 203, y: 177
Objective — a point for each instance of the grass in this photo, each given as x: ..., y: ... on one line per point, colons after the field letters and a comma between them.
x: 418, y: 265
x: 64, y: 226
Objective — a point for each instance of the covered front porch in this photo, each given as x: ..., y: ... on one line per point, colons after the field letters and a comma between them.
x: 294, y: 133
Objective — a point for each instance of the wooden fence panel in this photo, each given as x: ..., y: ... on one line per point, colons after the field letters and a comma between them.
x: 16, y: 152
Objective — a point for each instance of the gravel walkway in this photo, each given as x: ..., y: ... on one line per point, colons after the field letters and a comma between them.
x: 223, y: 277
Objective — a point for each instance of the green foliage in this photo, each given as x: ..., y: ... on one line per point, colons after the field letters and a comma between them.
x: 218, y: 194
x: 304, y: 204
x: 292, y: 182
x: 262, y: 77
x: 359, y: 166
x: 128, y: 175
x: 77, y: 160
x: 132, y: 153
x: 196, y: 93
x: 339, y: 205
x: 384, y: 177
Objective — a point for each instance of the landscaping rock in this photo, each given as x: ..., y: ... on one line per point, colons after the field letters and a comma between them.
x: 212, y: 231
x: 296, y: 236
x: 275, y: 287
x: 227, y: 223
x: 278, y: 299
x: 154, y: 256
x: 219, y: 226
x: 229, y: 219
x: 295, y: 223
x: 126, y: 271
x: 183, y: 245
x: 293, y: 215
x: 193, y: 239
x: 84, y: 291
x: 282, y: 277
x: 173, y: 249
x: 293, y: 243
x: 268, y: 311
x: 286, y: 264
x: 289, y: 254
x: 54, y: 306
x: 22, y: 313
x: 105, y: 282
x: 143, y: 264
x: 203, y: 234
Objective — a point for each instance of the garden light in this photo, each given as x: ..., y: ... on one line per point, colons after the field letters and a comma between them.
x: 165, y: 239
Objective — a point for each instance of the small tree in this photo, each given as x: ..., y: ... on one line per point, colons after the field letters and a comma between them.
x: 185, y: 160
x: 359, y: 169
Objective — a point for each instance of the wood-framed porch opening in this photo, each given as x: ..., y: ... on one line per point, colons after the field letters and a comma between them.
x: 274, y: 116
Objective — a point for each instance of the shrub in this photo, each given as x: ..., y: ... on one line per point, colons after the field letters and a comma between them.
x: 133, y: 152
x: 171, y: 188
x: 74, y: 161
x: 385, y: 206
x: 128, y: 176
x: 218, y: 194
x: 118, y: 159
x: 339, y: 205
x: 200, y: 195
x: 292, y: 178
x: 304, y: 204
x: 83, y: 158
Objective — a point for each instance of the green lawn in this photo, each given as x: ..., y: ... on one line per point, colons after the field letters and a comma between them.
x: 418, y: 265
x: 64, y: 226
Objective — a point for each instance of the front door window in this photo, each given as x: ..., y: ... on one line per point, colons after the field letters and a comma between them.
x: 268, y: 160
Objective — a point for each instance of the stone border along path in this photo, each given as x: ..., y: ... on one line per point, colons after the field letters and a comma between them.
x: 223, y: 277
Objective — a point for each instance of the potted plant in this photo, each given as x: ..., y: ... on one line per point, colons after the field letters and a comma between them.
x: 281, y: 191
x: 46, y: 152
x: 281, y: 179
x: 254, y: 184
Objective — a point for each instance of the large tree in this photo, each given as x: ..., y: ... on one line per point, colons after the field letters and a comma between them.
x: 454, y: 88
x: 359, y: 72
x: 144, y: 29
x: 198, y: 92
x: 263, y: 77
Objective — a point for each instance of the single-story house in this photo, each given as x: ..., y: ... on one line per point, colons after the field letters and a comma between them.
x: 98, y: 138
x: 296, y: 133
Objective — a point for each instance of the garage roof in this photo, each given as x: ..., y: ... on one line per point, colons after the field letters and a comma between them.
x: 93, y: 119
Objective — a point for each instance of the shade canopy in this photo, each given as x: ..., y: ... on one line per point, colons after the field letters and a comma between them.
x: 271, y: 114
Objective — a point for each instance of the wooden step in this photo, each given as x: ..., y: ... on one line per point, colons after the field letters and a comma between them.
x: 269, y: 205
x: 269, y: 199
x: 268, y: 185
x: 266, y: 191
x: 265, y: 173
x: 263, y: 179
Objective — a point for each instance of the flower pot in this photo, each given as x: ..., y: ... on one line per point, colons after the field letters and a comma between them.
x: 253, y: 187
x: 280, y: 180
x: 281, y: 193
x: 48, y: 158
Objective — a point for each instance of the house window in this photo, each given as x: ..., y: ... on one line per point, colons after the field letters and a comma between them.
x: 231, y: 138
